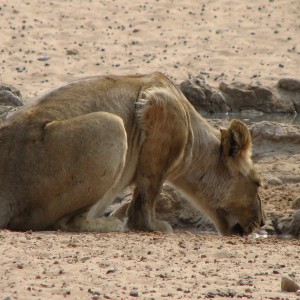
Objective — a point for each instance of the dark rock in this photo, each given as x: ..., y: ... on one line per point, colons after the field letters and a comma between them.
x: 203, y: 97
x: 289, y: 84
x: 238, y: 95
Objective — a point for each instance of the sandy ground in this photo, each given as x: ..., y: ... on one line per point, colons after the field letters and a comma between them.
x: 150, y: 266
x: 225, y: 40
x: 44, y: 44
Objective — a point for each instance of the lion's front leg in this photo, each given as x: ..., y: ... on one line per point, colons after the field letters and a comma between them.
x: 141, y: 211
x: 164, y: 123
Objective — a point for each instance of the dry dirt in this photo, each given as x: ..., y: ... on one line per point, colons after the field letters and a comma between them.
x: 47, y: 43
x: 183, y: 265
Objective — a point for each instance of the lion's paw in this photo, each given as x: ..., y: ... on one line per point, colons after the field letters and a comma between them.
x: 162, y: 226
x: 103, y: 224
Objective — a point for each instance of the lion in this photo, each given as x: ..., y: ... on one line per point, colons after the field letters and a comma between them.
x: 67, y: 155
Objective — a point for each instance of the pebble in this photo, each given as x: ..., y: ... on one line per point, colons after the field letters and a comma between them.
x: 43, y: 58
x: 289, y: 285
x: 134, y: 293
x: 72, y: 52
x: 298, y: 293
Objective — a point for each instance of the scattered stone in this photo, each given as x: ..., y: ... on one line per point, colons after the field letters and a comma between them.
x: 298, y: 293
x: 43, y: 58
x: 72, y: 51
x: 95, y: 292
x: 134, y: 293
x: 289, y: 285
x: 289, y: 84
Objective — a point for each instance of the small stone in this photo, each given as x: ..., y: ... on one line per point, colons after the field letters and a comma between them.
x: 298, y: 293
x: 72, y: 52
x: 289, y: 285
x: 134, y: 293
x: 274, y: 181
x: 43, y: 58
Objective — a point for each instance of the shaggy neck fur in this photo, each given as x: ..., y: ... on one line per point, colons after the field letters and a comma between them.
x: 204, y: 180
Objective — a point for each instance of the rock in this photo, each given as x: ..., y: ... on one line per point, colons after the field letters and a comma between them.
x: 289, y: 84
x: 275, y: 132
x: 134, y: 293
x: 298, y: 293
x: 44, y: 58
x: 296, y: 204
x: 10, y: 100
x: 203, y: 97
x: 271, y: 180
x: 72, y: 51
x: 9, y: 96
x: 289, y: 285
x: 241, y: 96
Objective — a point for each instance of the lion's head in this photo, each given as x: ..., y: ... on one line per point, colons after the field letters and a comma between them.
x: 240, y: 210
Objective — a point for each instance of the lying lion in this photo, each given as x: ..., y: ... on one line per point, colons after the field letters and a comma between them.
x: 65, y: 157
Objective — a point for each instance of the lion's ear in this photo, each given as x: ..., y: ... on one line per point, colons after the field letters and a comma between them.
x: 236, y: 140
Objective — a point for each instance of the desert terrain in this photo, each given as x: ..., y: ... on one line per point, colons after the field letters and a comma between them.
x: 45, y: 44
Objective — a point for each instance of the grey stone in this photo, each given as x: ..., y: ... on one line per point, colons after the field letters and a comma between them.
x: 10, y: 101
x: 10, y: 96
x: 275, y: 132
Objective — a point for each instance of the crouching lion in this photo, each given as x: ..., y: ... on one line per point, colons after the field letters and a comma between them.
x: 66, y: 156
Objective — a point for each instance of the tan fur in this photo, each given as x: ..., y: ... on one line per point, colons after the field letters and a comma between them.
x: 65, y: 157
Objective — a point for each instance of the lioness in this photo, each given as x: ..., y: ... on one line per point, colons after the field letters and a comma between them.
x: 65, y: 157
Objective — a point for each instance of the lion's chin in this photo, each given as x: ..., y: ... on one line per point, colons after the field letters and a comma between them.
x: 237, y: 229
x: 227, y: 229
